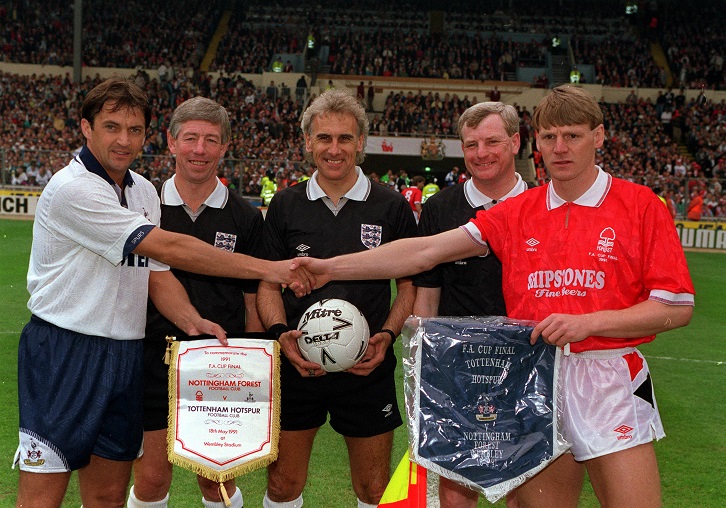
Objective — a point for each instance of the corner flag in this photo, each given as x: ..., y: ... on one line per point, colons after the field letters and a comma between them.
x: 407, y: 488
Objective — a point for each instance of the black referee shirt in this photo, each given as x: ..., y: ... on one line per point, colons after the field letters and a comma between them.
x: 236, y: 227
x: 469, y: 287
x: 296, y: 226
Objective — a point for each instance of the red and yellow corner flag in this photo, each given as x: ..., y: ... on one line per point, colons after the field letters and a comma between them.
x: 407, y: 488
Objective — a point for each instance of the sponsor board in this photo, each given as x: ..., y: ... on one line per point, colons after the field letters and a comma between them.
x: 18, y: 204
x: 702, y: 235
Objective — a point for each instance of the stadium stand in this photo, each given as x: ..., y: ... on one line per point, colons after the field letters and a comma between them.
x: 410, y: 43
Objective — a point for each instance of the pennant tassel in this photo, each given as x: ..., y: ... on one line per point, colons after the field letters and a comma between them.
x: 223, y: 495
x: 167, y: 353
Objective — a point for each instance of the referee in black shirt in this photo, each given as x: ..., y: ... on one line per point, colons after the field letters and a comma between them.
x: 337, y: 211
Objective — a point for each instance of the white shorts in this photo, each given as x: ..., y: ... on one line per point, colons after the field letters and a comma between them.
x: 606, y: 402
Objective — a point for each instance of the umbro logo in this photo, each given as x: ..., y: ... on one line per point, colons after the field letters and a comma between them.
x: 301, y: 249
x: 532, y: 242
x: 388, y: 409
x: 624, y: 430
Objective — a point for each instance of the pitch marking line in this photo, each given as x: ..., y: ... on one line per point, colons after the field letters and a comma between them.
x: 713, y: 362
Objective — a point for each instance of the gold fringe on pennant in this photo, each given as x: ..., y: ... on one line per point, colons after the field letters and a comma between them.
x: 233, y: 472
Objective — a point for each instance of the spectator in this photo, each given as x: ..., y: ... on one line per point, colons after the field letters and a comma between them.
x: 301, y: 89
x: 452, y: 177
x: 695, y: 206
x: 20, y: 177
x: 413, y: 195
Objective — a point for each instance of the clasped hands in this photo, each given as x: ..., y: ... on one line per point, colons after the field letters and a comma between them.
x: 302, y: 275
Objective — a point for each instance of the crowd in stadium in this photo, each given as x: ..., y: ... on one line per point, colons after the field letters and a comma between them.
x: 41, y: 112
x: 367, y: 38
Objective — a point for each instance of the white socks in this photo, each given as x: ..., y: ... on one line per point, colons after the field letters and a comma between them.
x: 135, y: 503
x: 236, y: 500
x: 268, y: 503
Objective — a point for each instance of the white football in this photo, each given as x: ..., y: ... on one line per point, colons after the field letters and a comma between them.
x: 335, y: 334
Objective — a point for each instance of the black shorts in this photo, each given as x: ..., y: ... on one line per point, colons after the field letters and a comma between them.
x: 156, y: 385
x: 359, y: 406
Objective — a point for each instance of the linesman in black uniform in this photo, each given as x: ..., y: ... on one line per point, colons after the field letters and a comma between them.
x: 195, y: 202
x: 489, y: 133
x: 337, y: 211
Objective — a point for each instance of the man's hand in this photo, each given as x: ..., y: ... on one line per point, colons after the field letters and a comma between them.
x: 559, y: 329
x: 205, y: 326
x: 296, y: 278
x: 288, y: 345
x: 318, y: 272
x: 376, y: 352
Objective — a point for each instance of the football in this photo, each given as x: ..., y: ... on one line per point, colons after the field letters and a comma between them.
x: 335, y: 334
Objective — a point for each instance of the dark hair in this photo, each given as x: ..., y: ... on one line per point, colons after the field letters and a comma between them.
x: 121, y: 93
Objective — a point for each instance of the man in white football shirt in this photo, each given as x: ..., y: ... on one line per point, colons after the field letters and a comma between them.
x: 91, y: 271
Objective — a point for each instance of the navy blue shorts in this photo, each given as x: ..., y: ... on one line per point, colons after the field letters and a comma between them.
x: 79, y: 395
x: 359, y: 406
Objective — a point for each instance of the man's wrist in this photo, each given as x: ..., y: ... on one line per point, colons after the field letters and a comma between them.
x: 391, y: 333
x: 278, y: 329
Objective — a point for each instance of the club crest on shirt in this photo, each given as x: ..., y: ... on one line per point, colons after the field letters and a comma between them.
x: 605, y: 246
x: 371, y: 235
x: 225, y: 241
x: 607, y: 239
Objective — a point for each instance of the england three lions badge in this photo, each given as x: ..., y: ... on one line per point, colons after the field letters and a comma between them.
x: 225, y: 241
x: 370, y: 235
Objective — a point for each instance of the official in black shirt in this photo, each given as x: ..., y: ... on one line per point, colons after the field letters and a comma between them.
x: 337, y: 211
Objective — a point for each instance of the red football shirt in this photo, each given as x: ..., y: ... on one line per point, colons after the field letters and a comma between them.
x: 612, y: 248
x: 413, y: 195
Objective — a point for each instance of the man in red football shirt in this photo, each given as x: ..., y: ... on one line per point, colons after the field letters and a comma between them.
x: 413, y: 195
x: 597, y: 262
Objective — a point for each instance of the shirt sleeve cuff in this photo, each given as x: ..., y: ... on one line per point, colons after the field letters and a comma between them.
x: 135, y: 238
x: 662, y: 296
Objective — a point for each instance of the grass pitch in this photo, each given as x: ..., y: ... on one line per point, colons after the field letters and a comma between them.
x: 688, y: 367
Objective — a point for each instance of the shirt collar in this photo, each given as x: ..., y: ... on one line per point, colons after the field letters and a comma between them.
x: 359, y: 192
x: 478, y: 199
x: 92, y: 165
x: 170, y: 195
x: 593, y: 197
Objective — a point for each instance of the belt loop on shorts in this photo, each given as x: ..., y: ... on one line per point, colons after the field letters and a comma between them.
x: 566, y: 349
